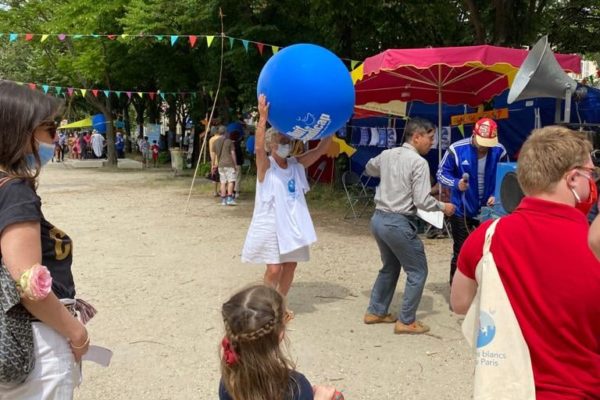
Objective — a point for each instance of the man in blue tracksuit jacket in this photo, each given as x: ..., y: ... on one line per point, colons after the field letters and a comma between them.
x: 469, y: 169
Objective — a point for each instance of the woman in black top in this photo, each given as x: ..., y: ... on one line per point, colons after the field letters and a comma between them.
x: 27, y: 131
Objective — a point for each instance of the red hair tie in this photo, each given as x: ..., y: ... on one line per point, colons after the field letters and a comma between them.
x: 231, y: 357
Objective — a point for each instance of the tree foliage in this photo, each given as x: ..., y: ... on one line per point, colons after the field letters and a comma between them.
x: 354, y: 29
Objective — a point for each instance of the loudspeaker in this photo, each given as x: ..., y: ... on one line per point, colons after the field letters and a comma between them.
x: 508, y: 192
x: 542, y: 76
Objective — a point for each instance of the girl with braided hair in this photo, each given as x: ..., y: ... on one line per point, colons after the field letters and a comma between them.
x: 254, y: 365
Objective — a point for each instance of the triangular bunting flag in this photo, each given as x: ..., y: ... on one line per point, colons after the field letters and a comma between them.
x: 192, y: 39
x: 162, y: 95
x: 245, y: 43
x: 124, y: 36
x: 45, y: 88
x: 261, y: 47
x: 353, y: 64
x: 111, y: 37
x: 152, y: 95
x: 107, y: 93
x: 77, y: 36
x: 58, y: 90
x: 174, y: 39
x: 95, y: 36
x: 211, y: 94
x: 141, y: 94
x: 118, y: 93
x: 275, y: 49
x: 13, y: 37
x: 28, y: 36
x: 70, y: 91
x: 209, y: 40
x: 95, y: 92
x: 61, y: 37
x: 129, y: 94
x: 44, y: 37
x: 19, y: 83
x: 83, y: 92
x: 231, y: 40
x: 159, y: 37
x: 31, y: 86
x: 461, y: 129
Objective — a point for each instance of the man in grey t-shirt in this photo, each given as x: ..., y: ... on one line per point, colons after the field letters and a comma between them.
x: 226, y: 161
x: 404, y: 187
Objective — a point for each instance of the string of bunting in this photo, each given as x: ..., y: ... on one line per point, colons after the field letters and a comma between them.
x: 173, y: 39
x: 73, y: 91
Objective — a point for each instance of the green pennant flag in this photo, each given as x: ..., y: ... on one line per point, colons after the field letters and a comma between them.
x: 231, y: 40
x: 209, y: 40
x: 107, y: 93
x: 461, y: 129
x: 95, y: 36
x: 77, y: 36
x: 353, y: 64
x: 211, y: 94
x: 83, y: 92
x: 245, y: 43
x: 45, y: 88
x: 13, y: 37
x: 174, y: 39
x: 162, y: 95
x: 118, y: 92
x: 58, y: 90
x: 159, y: 37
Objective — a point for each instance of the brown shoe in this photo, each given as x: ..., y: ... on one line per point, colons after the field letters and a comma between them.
x: 415, y: 328
x: 379, y: 319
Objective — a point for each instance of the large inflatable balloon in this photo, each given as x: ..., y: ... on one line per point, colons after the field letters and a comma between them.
x: 310, y: 91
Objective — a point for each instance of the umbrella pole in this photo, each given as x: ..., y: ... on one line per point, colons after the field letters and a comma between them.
x: 440, y: 137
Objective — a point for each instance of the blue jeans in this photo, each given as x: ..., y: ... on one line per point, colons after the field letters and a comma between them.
x: 400, y: 247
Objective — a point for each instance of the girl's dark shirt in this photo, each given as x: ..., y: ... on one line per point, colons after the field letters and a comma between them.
x: 301, y: 388
x: 19, y: 203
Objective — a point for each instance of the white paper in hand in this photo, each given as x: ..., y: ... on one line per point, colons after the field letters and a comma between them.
x: 99, y: 355
x: 435, y: 218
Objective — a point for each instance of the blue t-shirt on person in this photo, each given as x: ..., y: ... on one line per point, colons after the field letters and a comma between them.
x: 301, y: 388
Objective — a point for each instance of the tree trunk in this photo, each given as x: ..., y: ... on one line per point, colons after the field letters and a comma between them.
x: 476, y: 21
x: 111, y: 152
x: 139, y: 107
x: 127, y: 123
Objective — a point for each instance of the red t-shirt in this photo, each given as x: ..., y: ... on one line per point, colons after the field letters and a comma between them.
x: 552, y: 280
x: 155, y: 150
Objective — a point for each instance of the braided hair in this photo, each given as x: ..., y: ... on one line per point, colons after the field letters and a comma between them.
x: 254, y: 326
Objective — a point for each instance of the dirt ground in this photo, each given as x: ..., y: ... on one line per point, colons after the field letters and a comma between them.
x: 158, y: 277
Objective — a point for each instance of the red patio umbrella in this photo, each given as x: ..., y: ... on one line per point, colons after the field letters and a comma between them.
x: 468, y: 75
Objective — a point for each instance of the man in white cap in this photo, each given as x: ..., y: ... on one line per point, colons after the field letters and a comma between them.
x: 469, y: 170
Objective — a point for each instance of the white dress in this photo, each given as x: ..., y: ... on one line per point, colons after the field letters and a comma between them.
x: 281, y: 229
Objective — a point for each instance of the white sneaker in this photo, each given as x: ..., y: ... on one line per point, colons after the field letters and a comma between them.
x: 223, y: 202
x: 231, y: 202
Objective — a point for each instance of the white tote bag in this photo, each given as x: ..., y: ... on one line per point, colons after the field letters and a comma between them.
x: 502, y: 361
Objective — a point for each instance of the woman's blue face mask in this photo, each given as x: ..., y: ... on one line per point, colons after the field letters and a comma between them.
x: 45, y: 151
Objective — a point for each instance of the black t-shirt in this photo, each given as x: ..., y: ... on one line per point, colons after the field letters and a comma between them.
x: 20, y: 203
x: 301, y: 388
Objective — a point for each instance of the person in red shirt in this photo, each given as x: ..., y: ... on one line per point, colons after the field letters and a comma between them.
x: 155, y: 149
x: 550, y: 275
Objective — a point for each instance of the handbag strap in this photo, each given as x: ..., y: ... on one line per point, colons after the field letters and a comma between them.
x: 488, y: 236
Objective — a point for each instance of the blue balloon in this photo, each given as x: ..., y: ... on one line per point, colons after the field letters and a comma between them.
x: 310, y: 92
